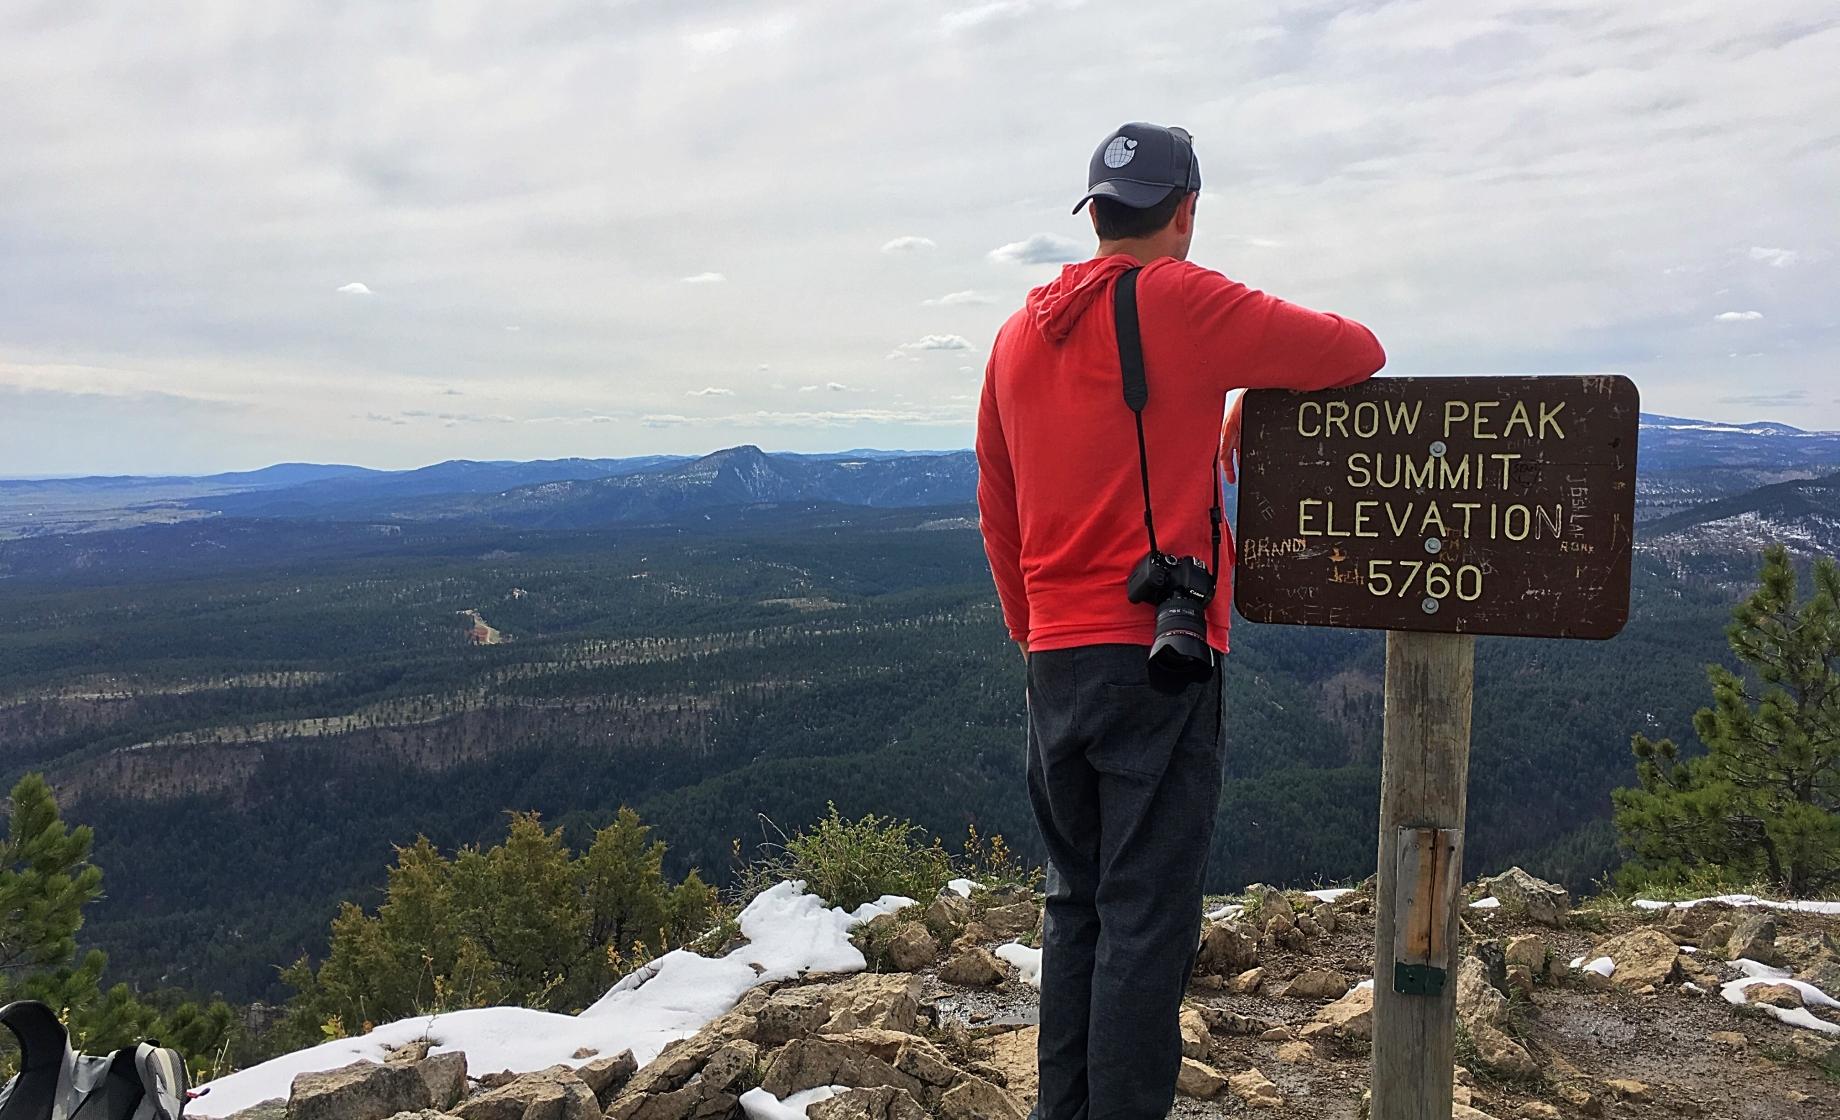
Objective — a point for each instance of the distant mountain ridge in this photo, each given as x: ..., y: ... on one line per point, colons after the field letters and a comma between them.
x: 1684, y: 464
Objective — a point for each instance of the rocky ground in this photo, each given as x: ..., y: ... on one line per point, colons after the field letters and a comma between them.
x: 1278, y: 1023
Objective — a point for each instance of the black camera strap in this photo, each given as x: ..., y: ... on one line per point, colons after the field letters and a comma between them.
x: 1137, y: 394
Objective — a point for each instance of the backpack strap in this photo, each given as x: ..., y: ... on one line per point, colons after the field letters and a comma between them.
x: 46, y: 1065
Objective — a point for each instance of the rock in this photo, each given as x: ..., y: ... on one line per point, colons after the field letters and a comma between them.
x: 1717, y: 936
x: 1255, y: 1089
x: 924, y: 1063
x: 1465, y: 1112
x: 1278, y: 1034
x: 1819, y: 1049
x: 1627, y: 1089
x: 887, y: 1001
x: 275, y: 1109
x: 1246, y: 983
x: 360, y: 1091
x: 911, y: 948
x: 1295, y: 1052
x: 551, y: 1094
x: 1317, y: 983
x: 1013, y: 920
x: 445, y: 1076
x: 1537, y: 1110
x: 1352, y: 1015
x: 886, y: 1045
x: 791, y: 1013
x: 1643, y: 957
x: 1232, y: 1022
x: 582, y: 1053
x: 1733, y: 1039
x: 1320, y: 1036
x: 1324, y: 913
x: 605, y: 1077
x: 1824, y: 975
x: 884, y: 1102
x: 975, y: 934
x: 1531, y: 897
x: 1528, y: 950
x: 1776, y: 995
x: 974, y: 1098
x: 1801, y: 950
x: 1268, y: 903
x: 1754, y: 938
x: 1581, y: 1099
x: 806, y: 1063
x: 730, y: 1070
x: 1520, y: 980
x: 676, y: 1064
x: 1013, y: 1054
x: 1228, y: 948
x: 1307, y: 926
x: 949, y: 911
x: 410, y: 1052
x: 418, y: 1114
x: 1199, y: 1080
x: 1483, y: 1011
x: 973, y: 968
x: 1196, y: 1040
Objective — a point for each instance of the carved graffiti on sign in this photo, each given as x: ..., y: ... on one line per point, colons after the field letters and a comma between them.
x: 1482, y: 505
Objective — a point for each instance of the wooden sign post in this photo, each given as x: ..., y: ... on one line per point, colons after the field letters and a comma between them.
x: 1436, y: 509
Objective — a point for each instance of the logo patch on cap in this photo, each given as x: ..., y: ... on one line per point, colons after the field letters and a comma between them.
x: 1120, y: 151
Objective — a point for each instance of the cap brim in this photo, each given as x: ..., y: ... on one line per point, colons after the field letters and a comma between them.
x: 1138, y: 196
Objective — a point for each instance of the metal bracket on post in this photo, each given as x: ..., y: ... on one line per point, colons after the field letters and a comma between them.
x: 1428, y: 869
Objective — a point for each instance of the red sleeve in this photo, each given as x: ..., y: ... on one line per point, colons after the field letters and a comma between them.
x: 1245, y: 338
x: 996, y: 493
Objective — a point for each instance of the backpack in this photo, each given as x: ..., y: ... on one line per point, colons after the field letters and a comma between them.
x: 142, y: 1082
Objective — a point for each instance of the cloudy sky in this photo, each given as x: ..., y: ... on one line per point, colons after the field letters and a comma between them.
x: 394, y: 233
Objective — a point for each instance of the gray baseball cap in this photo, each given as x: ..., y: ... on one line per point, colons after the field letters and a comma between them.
x: 1139, y: 164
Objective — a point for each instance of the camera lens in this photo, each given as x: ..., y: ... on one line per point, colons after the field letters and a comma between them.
x: 1181, y: 649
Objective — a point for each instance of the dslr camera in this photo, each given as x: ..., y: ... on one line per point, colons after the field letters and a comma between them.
x: 1180, y: 588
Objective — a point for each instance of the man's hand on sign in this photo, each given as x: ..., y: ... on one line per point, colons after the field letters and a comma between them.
x: 1229, y: 438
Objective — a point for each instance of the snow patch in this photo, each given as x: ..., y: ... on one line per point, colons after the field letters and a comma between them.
x: 1802, y: 906
x: 1490, y: 903
x: 789, y: 932
x: 1757, y: 973
x: 1330, y: 894
x: 1026, y: 960
x: 1603, y: 966
x: 1231, y: 910
x: 962, y: 887
x: 762, y: 1105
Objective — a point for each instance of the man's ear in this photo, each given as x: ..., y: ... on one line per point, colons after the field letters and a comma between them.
x: 1185, y: 214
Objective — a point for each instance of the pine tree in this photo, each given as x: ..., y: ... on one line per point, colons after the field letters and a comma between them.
x: 1764, y: 801
x: 46, y: 880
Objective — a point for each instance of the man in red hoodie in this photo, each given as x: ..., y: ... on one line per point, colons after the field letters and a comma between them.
x: 1124, y: 759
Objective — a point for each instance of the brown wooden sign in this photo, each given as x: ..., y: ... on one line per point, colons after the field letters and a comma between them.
x: 1474, y: 505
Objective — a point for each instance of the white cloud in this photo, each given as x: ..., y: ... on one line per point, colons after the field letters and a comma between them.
x: 1043, y: 248
x: 1775, y: 258
x: 909, y: 244
x: 931, y: 342
x: 706, y: 278
x: 836, y: 386
x: 356, y: 289
x: 957, y: 299
x: 1738, y: 316
x: 711, y: 391
x: 513, y: 330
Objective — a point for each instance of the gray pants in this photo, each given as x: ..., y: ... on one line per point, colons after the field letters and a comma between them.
x: 1124, y: 776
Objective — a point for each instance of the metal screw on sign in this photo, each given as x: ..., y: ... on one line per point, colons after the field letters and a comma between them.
x: 1433, y: 545
x: 1430, y: 605
x: 1437, y: 448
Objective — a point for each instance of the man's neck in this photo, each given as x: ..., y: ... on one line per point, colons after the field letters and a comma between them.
x: 1141, y: 249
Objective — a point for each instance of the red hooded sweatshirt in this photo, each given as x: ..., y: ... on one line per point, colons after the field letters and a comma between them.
x: 1058, y: 488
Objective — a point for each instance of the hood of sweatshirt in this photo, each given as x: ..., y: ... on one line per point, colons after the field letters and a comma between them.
x: 1056, y: 306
